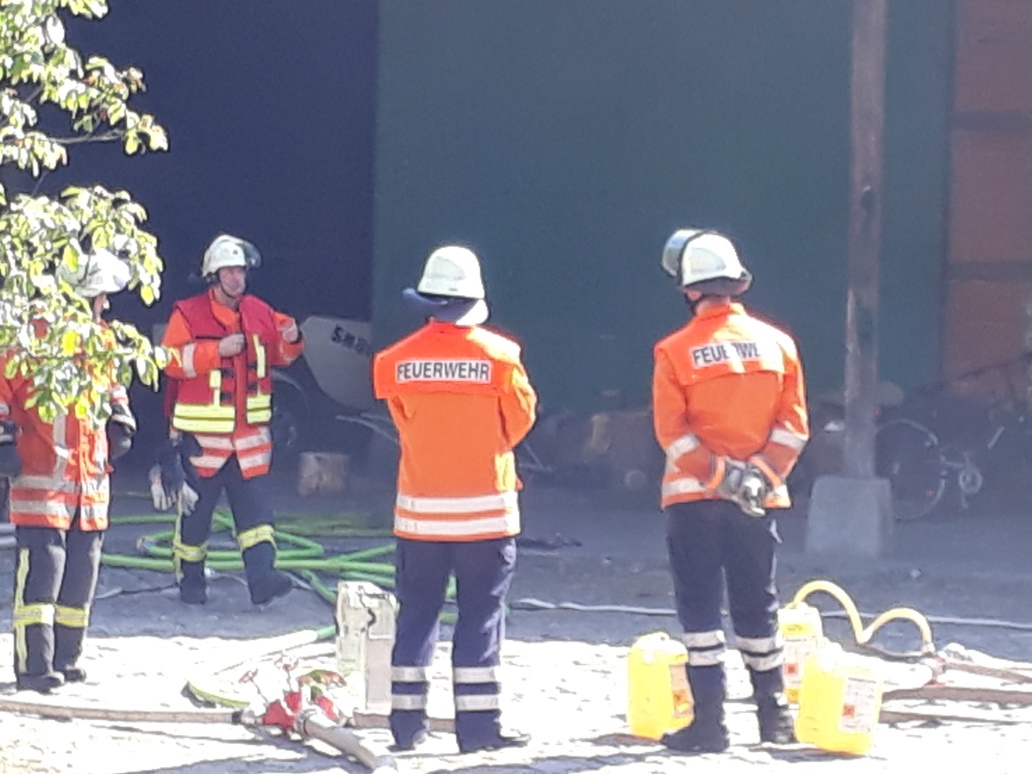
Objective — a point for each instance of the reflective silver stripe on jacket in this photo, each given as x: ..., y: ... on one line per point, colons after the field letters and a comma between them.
x: 507, y: 524
x: 785, y: 437
x: 686, y: 485
x: 188, y: 360
x: 679, y: 447
x: 492, y: 502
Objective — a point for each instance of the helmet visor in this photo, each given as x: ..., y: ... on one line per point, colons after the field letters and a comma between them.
x: 252, y: 256
x: 674, y: 249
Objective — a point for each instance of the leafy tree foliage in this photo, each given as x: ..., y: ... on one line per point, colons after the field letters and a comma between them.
x: 52, y: 98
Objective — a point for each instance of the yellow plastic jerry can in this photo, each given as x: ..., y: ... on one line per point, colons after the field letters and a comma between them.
x: 802, y: 632
x: 839, y: 701
x: 659, y: 699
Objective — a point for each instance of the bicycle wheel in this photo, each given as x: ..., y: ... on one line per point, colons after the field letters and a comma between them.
x: 908, y: 454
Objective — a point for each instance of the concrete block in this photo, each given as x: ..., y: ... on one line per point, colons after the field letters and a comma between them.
x: 850, y: 516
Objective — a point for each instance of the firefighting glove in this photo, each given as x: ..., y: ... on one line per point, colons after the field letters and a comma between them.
x: 173, y: 479
x: 745, y: 486
x: 10, y: 460
x: 121, y: 428
x: 283, y: 427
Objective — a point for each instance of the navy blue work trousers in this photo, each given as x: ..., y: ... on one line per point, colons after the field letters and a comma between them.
x: 713, y: 545
x: 483, y: 572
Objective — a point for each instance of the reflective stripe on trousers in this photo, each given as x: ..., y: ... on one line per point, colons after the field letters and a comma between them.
x: 705, y: 648
x: 762, y: 653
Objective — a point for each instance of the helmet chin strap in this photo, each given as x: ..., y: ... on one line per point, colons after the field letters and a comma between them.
x: 230, y: 298
x: 693, y: 305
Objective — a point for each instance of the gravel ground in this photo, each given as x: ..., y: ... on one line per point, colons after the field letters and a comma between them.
x: 565, y: 678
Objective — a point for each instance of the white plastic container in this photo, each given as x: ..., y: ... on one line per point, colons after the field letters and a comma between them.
x: 365, y: 636
x: 803, y: 633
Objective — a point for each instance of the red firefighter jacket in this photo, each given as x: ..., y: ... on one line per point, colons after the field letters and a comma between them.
x: 64, y: 463
x: 226, y: 402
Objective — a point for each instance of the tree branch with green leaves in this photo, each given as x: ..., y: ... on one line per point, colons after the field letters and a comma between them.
x: 47, y: 331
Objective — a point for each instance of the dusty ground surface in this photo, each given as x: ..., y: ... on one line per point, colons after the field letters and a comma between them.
x: 565, y: 670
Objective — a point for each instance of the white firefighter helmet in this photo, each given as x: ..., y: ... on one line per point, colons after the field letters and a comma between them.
x: 98, y: 272
x: 225, y: 251
x: 451, y: 288
x: 705, y: 260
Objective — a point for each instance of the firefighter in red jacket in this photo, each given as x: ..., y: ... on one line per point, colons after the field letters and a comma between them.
x: 224, y: 344
x: 730, y: 412
x: 461, y: 401
x: 59, y: 495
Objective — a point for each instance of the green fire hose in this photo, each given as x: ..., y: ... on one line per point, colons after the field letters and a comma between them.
x: 297, y: 552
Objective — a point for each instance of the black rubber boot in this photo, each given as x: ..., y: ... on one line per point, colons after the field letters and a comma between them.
x: 777, y: 726
x: 193, y: 586
x: 68, y: 641
x: 411, y: 743
x: 265, y: 582
x: 501, y: 741
x: 74, y: 675
x: 36, y: 662
x: 704, y: 735
x: 44, y: 683
x: 707, y: 732
x: 275, y: 584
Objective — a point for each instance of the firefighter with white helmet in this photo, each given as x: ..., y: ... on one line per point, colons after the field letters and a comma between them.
x: 461, y: 401
x: 729, y: 410
x: 224, y: 344
x: 59, y: 497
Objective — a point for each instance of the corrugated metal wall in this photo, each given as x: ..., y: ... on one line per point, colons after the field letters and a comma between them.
x: 565, y: 141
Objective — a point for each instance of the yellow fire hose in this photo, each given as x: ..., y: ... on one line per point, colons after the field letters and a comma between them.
x: 863, y: 635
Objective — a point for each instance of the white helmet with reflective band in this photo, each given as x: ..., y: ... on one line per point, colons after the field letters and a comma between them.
x: 226, y: 251
x: 451, y: 288
x: 452, y: 271
x: 98, y: 272
x: 695, y: 256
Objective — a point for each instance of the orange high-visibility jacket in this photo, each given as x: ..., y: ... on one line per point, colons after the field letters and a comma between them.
x: 727, y: 385
x: 461, y: 401
x: 64, y: 463
x: 226, y: 402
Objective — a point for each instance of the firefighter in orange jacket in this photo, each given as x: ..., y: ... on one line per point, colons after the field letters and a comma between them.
x: 461, y: 401
x: 59, y: 495
x: 224, y: 344
x: 730, y: 412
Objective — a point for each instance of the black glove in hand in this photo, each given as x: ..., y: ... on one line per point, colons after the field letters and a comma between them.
x: 753, y: 491
x: 10, y: 460
x: 120, y: 439
x: 745, y: 486
x: 173, y: 478
x: 283, y: 428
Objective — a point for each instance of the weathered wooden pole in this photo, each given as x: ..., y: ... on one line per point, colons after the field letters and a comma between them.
x: 865, y: 220
x: 852, y: 512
